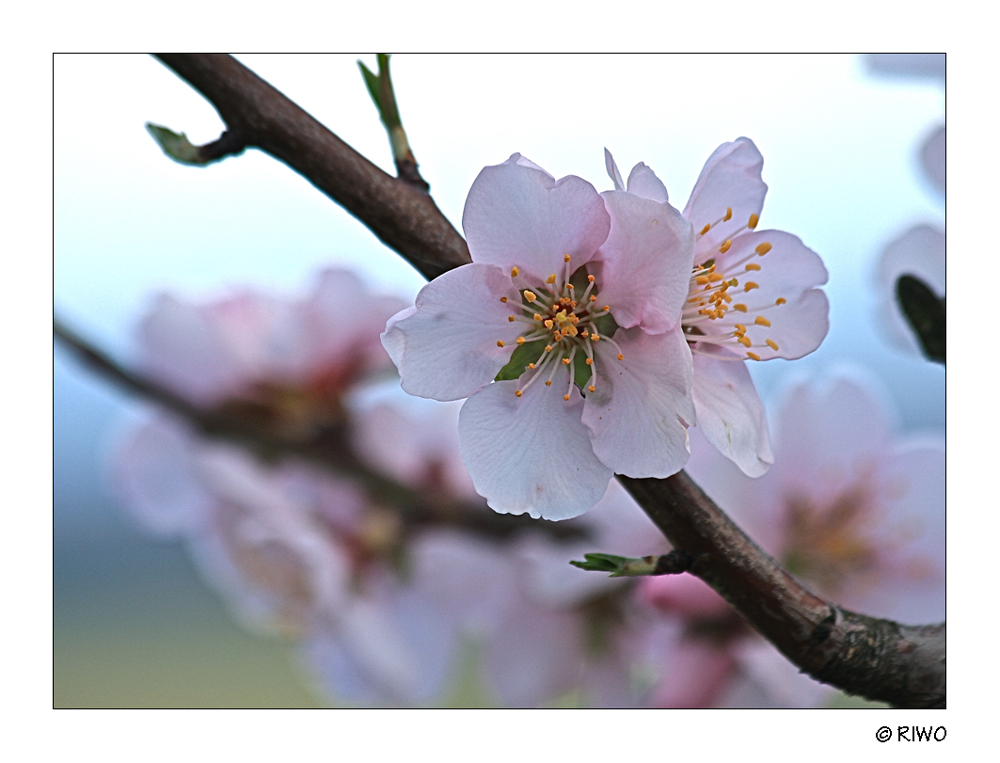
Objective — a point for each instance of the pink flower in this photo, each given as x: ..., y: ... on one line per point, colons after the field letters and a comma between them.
x: 750, y: 296
x: 576, y: 312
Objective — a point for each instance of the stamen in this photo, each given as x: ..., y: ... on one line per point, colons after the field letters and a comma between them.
x: 760, y: 320
x: 763, y: 249
x: 754, y: 219
x: 750, y: 285
x: 772, y: 344
x: 729, y: 215
x: 705, y: 230
x: 503, y: 299
x: 518, y: 392
x: 780, y: 301
x: 740, y: 307
x: 529, y: 295
x: 753, y: 356
x: 499, y: 343
x: 520, y: 340
x: 514, y: 271
x: 752, y: 266
x: 565, y: 258
x: 510, y: 318
x: 725, y: 246
x: 551, y: 279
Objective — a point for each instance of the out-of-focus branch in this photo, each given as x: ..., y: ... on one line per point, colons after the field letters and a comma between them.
x: 257, y: 115
x: 878, y: 659
x: 329, y: 449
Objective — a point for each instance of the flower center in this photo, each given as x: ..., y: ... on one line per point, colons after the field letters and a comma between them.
x: 711, y: 316
x: 563, y: 324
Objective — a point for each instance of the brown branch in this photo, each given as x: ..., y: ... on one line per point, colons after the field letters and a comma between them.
x: 879, y: 659
x: 257, y: 115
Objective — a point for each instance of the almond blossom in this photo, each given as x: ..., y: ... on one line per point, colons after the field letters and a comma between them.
x: 751, y: 295
x: 564, y: 335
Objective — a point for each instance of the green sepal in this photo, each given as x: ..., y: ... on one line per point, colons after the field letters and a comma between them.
x: 602, y: 563
x: 374, y: 87
x: 177, y: 147
x: 925, y: 313
x: 524, y: 354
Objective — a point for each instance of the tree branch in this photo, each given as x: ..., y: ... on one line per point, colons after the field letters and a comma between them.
x: 258, y: 428
x: 878, y: 659
x: 404, y: 218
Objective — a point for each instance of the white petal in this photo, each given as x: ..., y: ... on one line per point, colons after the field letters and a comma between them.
x: 446, y: 346
x: 642, y: 181
x: 531, y: 454
x: 730, y: 179
x: 613, y: 173
x: 637, y: 414
x: 730, y: 412
x: 644, y: 267
x: 517, y: 215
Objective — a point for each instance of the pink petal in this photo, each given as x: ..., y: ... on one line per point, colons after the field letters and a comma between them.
x: 683, y: 595
x: 446, y: 345
x: 531, y: 454
x: 789, y: 271
x: 638, y: 413
x: 932, y: 156
x: 517, y: 215
x: 730, y: 179
x: 730, y: 412
x: 642, y: 181
x: 645, y: 265
x: 613, y: 173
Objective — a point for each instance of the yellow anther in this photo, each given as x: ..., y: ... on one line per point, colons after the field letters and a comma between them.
x: 585, y: 333
x: 620, y: 356
x: 565, y: 258
x: 725, y: 246
x: 520, y: 340
x: 753, y: 266
x: 513, y: 272
x: 537, y: 317
x: 518, y: 392
x: 531, y: 366
x: 510, y: 318
x: 780, y: 301
x: 590, y: 279
x: 530, y: 296
x: 705, y: 230
x: 607, y: 308
x: 729, y: 214
x: 750, y: 285
x: 760, y: 320
x: 503, y: 299
x: 592, y: 388
x: 753, y: 356
x: 763, y: 249
x: 740, y: 307
x: 499, y: 342
x: 551, y: 279
x: 698, y: 280
x: 570, y: 286
x: 548, y: 323
x: 589, y: 361
x: 715, y: 278
x: 548, y: 348
x: 740, y: 327
x: 593, y: 298
x: 744, y: 340
x: 754, y: 219
x: 771, y: 343
x: 594, y: 337
x: 565, y: 361
x: 548, y: 382
x: 566, y: 397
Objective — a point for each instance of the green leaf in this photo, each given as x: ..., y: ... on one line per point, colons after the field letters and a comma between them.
x: 177, y: 147
x: 374, y: 87
x: 925, y: 312
x: 601, y: 563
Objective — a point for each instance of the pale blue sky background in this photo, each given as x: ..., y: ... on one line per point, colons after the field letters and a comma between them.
x: 840, y: 149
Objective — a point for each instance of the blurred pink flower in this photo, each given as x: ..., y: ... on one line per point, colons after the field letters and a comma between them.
x: 550, y: 270
x: 751, y: 295
x: 854, y: 512
x: 920, y: 253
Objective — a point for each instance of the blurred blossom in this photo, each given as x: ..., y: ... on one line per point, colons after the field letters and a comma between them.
x: 382, y: 602
x: 852, y: 510
x: 932, y: 158
x: 914, y: 65
x: 919, y: 252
